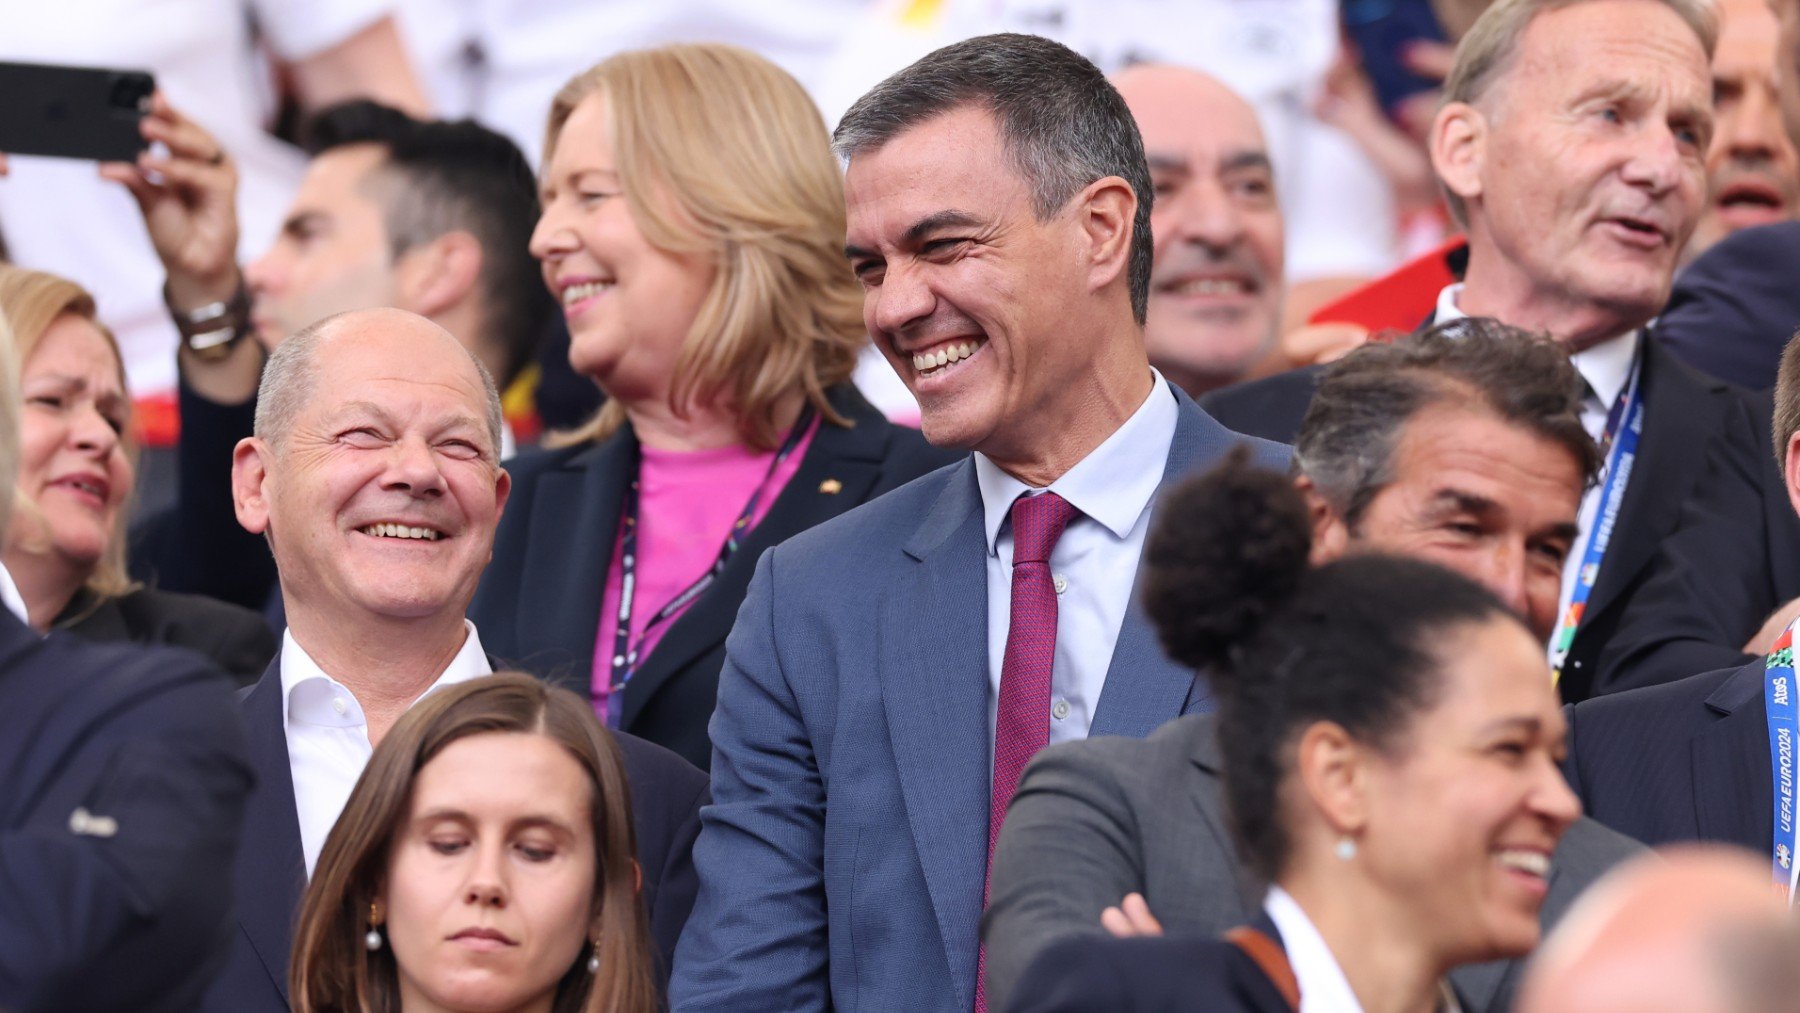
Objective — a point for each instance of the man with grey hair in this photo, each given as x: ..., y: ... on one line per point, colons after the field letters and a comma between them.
x: 375, y: 476
x: 125, y: 785
x: 890, y: 672
x: 1461, y: 445
x: 1572, y: 145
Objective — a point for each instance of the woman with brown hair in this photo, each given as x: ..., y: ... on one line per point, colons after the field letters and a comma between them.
x: 485, y: 860
x: 65, y: 548
x: 693, y: 231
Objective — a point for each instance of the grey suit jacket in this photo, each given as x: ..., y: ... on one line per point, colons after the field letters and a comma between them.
x: 1093, y: 821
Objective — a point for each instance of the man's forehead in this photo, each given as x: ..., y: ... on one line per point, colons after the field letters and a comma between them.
x: 953, y: 162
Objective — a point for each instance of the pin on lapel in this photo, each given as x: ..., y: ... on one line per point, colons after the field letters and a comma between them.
x: 831, y: 487
x: 85, y: 823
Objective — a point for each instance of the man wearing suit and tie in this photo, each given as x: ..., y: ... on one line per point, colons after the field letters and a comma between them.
x: 1461, y: 445
x: 1576, y: 161
x: 374, y: 473
x: 1691, y: 759
x: 892, y: 669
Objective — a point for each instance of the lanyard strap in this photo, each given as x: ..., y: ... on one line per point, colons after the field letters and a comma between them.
x: 1618, y: 447
x: 625, y: 653
x: 1784, y: 730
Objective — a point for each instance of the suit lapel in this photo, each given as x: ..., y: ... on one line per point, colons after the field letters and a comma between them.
x: 1679, y: 415
x: 933, y: 656
x: 271, y: 871
x: 851, y: 459
x: 574, y: 523
x: 1732, y: 785
x: 1143, y: 688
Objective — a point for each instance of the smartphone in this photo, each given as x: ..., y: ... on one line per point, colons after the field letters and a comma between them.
x: 1381, y: 30
x: 73, y: 112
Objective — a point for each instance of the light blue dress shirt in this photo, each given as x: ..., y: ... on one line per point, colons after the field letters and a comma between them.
x: 1094, y: 564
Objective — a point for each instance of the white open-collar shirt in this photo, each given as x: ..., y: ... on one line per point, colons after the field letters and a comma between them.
x: 328, y: 735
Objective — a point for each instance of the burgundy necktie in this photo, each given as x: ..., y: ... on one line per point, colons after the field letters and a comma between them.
x: 1022, y: 724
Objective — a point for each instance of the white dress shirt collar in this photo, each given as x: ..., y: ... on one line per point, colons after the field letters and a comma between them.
x: 309, y: 696
x: 1323, y: 987
x: 1605, y: 365
x: 11, y: 598
x: 1112, y: 484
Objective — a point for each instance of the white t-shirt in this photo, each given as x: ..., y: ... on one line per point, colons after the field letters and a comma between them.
x: 57, y: 215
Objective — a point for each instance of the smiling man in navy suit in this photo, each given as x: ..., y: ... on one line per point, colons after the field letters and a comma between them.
x: 891, y: 670
x: 375, y: 475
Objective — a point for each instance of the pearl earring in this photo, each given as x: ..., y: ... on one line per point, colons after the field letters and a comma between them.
x: 594, y: 959
x: 372, y: 941
x: 1345, y: 849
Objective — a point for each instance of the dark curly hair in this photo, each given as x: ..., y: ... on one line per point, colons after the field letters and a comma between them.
x: 1228, y: 585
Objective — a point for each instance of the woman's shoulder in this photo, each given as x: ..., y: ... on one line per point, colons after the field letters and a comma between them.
x: 238, y: 639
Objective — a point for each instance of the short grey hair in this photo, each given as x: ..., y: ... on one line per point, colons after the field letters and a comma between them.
x: 9, y: 422
x: 1491, y: 47
x: 289, y: 381
x: 1364, y: 401
x: 1063, y: 124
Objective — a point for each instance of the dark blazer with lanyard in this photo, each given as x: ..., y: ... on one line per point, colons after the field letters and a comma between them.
x: 538, y: 605
x: 1246, y: 971
x: 1683, y: 761
x: 1688, y: 419
x: 666, y: 796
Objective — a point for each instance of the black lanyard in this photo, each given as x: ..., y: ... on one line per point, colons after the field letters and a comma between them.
x: 625, y: 654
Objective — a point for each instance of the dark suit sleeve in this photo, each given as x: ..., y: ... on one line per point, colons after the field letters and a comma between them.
x: 139, y: 919
x: 757, y: 938
x: 1713, y: 582
x: 1069, y: 977
x: 1069, y: 849
x: 196, y: 545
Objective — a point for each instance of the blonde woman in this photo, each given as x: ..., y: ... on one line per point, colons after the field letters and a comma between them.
x: 693, y: 230
x: 65, y: 548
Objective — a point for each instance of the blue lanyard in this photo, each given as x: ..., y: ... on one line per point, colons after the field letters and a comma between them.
x: 1619, y: 446
x: 1784, y: 731
x: 625, y: 653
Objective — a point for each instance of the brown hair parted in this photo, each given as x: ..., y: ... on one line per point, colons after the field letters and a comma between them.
x: 1347, y: 439
x: 1063, y: 122
x: 1787, y: 400
x: 721, y: 152
x: 1487, y: 52
x: 31, y: 301
x: 331, y: 968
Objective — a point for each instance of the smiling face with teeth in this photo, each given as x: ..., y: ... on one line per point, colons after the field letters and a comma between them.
x: 1457, y: 818
x: 1582, y: 169
x: 73, y: 466
x: 381, y: 498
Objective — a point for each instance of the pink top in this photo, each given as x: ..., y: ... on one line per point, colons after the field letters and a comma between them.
x: 687, y: 502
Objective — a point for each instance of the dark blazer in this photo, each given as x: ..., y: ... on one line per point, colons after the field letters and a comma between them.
x: 1734, y: 308
x: 1093, y: 821
x: 538, y: 605
x: 134, y: 914
x: 1688, y: 419
x: 1162, y: 974
x: 841, y: 862
x: 666, y: 796
x: 236, y: 639
x: 1684, y: 761
x: 1727, y: 566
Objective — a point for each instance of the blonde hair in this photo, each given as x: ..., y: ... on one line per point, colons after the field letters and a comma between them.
x: 9, y: 419
x: 741, y: 166
x: 32, y: 301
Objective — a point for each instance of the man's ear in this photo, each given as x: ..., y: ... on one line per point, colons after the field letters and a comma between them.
x: 1330, y: 535
x: 1107, y: 207
x: 1458, y: 147
x: 249, y: 481
x: 1790, y: 471
x: 435, y: 277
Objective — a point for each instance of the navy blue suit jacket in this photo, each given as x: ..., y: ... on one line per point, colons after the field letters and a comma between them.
x: 842, y: 861
x: 1691, y: 423
x: 1733, y: 309
x: 666, y: 796
x: 133, y: 914
x: 1157, y: 974
x: 538, y: 605
x: 1683, y: 761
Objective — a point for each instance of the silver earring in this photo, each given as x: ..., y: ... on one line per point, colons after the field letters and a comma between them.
x: 1345, y: 849
x: 372, y: 941
x: 594, y: 958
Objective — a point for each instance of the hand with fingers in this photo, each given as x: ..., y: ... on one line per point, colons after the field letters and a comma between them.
x: 1131, y: 917
x: 188, y: 197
